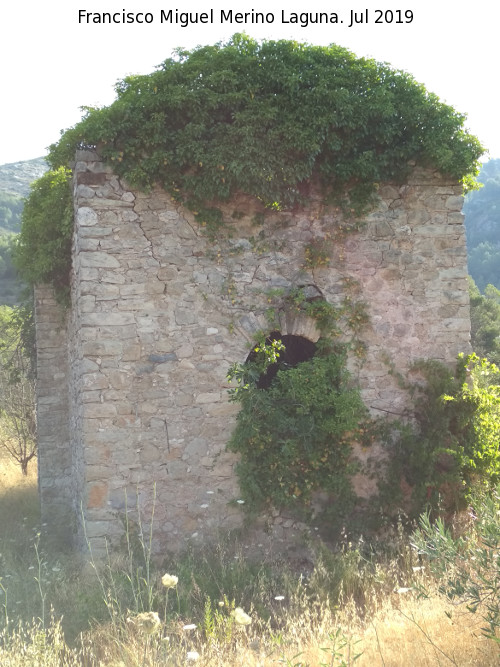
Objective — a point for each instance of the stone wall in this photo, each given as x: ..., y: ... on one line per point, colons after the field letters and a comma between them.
x: 54, y: 453
x: 160, y: 310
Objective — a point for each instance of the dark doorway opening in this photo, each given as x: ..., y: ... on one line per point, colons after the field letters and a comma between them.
x: 297, y: 349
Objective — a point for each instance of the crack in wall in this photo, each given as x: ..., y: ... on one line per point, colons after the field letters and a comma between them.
x: 150, y: 242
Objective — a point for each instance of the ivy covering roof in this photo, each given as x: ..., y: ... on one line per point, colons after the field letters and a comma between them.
x: 265, y: 117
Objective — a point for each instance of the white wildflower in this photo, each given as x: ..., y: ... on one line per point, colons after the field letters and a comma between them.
x: 148, y: 621
x: 169, y: 580
x: 240, y: 617
x: 192, y: 655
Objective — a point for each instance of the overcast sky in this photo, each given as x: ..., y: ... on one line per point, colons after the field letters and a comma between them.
x: 52, y: 64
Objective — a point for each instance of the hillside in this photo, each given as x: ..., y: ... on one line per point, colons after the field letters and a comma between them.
x: 15, y: 179
x: 482, y: 224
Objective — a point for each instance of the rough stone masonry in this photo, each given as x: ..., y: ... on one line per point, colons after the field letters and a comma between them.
x: 133, y: 409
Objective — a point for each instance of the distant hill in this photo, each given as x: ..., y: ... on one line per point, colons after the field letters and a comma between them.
x: 15, y: 179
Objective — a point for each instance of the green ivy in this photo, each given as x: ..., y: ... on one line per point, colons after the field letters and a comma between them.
x: 332, y: 321
x: 266, y: 118
x: 43, y: 250
x: 295, y: 437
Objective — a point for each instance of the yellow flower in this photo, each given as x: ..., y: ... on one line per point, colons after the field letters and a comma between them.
x: 240, y: 617
x: 169, y: 580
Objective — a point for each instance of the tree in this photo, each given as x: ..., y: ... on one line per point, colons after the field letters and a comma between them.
x: 17, y: 390
x: 11, y: 207
x: 482, y: 224
x: 484, y: 264
x: 11, y: 288
x: 485, y: 322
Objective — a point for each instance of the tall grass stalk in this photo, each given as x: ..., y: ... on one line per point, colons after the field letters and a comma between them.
x: 141, y: 585
x: 38, y: 578
x: 5, y: 606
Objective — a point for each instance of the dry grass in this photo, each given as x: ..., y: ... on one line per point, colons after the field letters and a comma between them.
x: 19, y: 507
x: 13, y: 482
x: 425, y: 632
x: 301, y: 630
x: 416, y: 633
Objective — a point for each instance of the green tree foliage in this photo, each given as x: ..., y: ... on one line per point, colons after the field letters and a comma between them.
x: 484, y: 264
x: 11, y: 289
x: 482, y: 224
x: 264, y: 118
x: 11, y: 207
x: 42, y: 253
x: 454, y: 445
x: 7, y: 270
x: 485, y: 322
x: 17, y: 386
x: 482, y: 207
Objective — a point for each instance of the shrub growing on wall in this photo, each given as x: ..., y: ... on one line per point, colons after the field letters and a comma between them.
x: 43, y: 250
x: 454, y: 446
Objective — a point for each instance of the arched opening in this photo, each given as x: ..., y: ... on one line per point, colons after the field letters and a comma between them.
x: 297, y: 349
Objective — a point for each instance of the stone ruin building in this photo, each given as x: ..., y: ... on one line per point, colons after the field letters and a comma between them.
x: 133, y: 407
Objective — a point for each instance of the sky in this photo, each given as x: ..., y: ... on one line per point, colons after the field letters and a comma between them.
x: 52, y: 64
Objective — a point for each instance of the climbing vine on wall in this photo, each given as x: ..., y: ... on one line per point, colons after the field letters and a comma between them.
x: 43, y: 249
x: 347, y: 319
x: 295, y: 437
